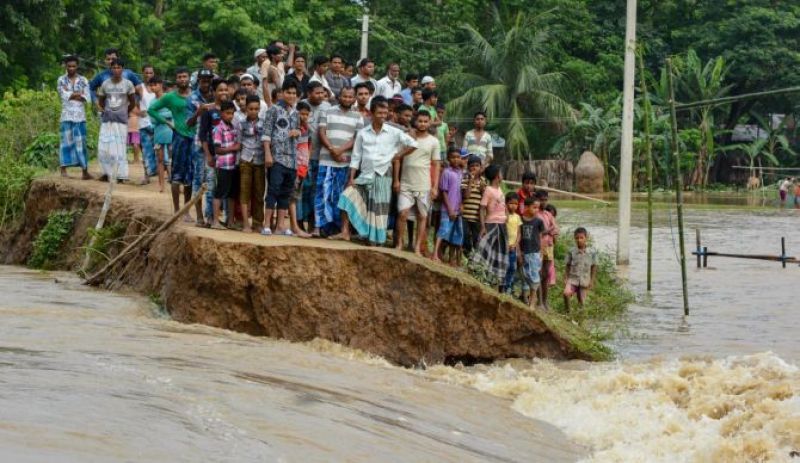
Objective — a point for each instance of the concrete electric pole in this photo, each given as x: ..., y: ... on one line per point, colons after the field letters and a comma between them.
x: 364, y: 35
x: 626, y: 155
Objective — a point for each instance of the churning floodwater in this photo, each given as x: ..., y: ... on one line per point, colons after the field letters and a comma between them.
x: 87, y: 375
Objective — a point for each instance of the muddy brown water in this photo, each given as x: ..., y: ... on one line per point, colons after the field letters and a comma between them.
x: 87, y: 375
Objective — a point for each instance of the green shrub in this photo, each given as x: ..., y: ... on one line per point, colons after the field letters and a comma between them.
x: 43, y: 151
x: 48, y: 243
x: 15, y: 179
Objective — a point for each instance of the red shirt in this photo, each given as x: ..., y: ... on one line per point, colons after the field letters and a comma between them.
x: 523, y: 194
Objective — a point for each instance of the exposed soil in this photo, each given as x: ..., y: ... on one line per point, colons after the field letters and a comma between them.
x: 403, y: 308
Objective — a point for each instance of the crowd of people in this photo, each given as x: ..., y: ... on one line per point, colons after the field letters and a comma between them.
x: 322, y: 152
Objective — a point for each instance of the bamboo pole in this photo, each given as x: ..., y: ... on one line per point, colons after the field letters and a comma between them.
x: 678, y: 183
x: 648, y: 149
x: 562, y: 192
x: 144, y: 239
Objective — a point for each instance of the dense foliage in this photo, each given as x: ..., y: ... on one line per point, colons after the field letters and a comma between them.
x: 48, y: 243
x: 573, y: 47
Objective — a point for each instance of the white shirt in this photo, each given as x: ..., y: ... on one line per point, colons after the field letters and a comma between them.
x: 373, y: 152
x: 321, y: 79
x: 147, y: 99
x: 387, y: 88
x: 785, y: 185
x: 357, y: 79
x: 73, y: 110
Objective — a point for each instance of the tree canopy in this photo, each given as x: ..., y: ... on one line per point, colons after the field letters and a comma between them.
x: 758, y: 41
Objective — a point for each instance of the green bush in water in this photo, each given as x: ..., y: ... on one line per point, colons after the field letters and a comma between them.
x: 51, y: 238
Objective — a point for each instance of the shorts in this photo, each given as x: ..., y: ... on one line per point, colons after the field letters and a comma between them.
x: 531, y: 266
x: 451, y: 231
x: 570, y: 289
x: 548, y: 253
x: 408, y: 199
x: 134, y: 139
x: 280, y: 187
x: 225, y: 187
x: 783, y: 195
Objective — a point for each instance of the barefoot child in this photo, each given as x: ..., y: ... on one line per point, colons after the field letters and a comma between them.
x: 530, y: 245
x: 226, y: 145
x: 581, y: 269
x: 451, y: 229
x: 492, y: 250
x: 548, y: 243
x: 251, y: 163
x: 472, y: 188
x: 303, y: 147
x: 512, y: 226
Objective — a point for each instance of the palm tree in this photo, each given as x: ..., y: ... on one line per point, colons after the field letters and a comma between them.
x: 510, y: 85
x: 700, y: 82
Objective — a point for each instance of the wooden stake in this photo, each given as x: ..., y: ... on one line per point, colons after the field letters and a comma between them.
x: 144, y: 239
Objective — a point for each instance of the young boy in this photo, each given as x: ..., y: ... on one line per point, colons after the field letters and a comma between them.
x: 451, y: 229
x: 226, y: 145
x: 162, y: 133
x: 530, y: 246
x: 581, y: 269
x: 548, y: 243
x: 492, y: 251
x: 472, y: 188
x: 115, y: 100
x: 240, y: 100
x: 303, y: 147
x: 413, y: 182
x: 528, y: 189
x: 512, y: 226
x: 281, y: 130
x: 251, y: 163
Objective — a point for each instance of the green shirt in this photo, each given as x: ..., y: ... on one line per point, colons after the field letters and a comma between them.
x: 176, y: 104
x: 442, y: 135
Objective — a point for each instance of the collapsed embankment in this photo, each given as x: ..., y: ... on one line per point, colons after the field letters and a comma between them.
x: 405, y: 309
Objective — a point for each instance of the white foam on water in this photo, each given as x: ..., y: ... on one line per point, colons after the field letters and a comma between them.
x: 696, y: 409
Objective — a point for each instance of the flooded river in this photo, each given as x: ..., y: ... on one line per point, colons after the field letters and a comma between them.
x: 95, y: 376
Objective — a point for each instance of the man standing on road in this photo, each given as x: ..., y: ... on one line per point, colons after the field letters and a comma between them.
x: 73, y: 89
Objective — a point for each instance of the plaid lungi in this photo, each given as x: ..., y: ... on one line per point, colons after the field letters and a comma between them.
x: 492, y: 251
x: 73, y: 144
x: 367, y: 207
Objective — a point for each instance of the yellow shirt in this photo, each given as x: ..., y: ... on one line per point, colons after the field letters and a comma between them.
x: 512, y: 225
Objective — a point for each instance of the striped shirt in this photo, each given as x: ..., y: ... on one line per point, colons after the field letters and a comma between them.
x: 472, y: 198
x: 225, y: 136
x: 340, y: 126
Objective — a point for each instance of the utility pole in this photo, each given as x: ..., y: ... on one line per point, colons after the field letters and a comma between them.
x: 364, y: 34
x: 626, y: 155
